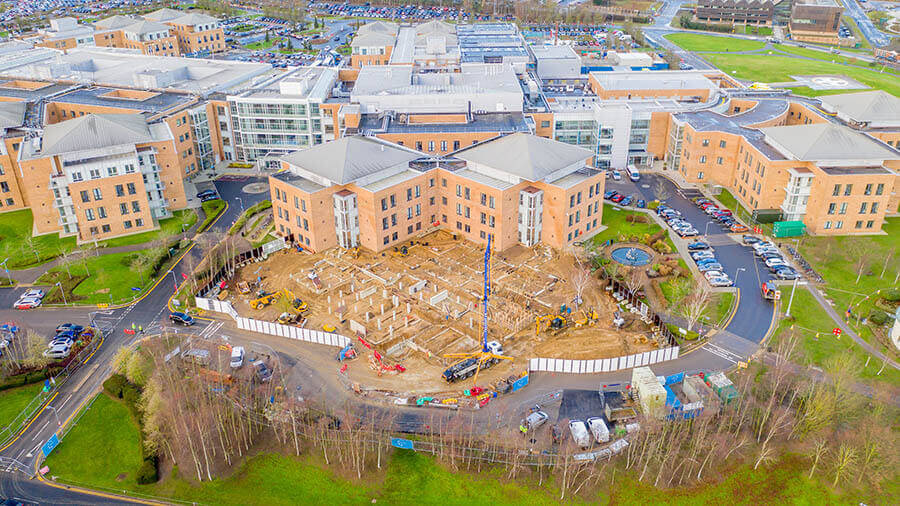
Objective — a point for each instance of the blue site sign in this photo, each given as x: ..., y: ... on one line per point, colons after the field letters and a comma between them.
x: 405, y: 444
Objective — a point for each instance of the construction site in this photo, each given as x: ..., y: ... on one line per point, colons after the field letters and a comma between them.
x: 407, y: 308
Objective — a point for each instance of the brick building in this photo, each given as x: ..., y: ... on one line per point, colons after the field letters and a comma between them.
x: 744, y: 12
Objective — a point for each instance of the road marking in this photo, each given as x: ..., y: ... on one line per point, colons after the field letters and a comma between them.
x: 38, y: 434
x: 29, y: 423
x: 719, y: 352
x: 737, y: 302
x: 86, y: 377
x: 95, y: 350
x: 65, y: 401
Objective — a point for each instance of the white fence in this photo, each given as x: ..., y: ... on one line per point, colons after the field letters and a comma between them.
x: 603, y: 364
x: 273, y: 329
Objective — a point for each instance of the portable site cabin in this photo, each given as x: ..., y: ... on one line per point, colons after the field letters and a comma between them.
x: 722, y: 386
x: 651, y: 394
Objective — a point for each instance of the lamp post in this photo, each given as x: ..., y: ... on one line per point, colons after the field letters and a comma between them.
x: 787, y: 312
x: 3, y: 263
x: 736, y: 272
x: 55, y: 413
x: 63, y: 292
x: 242, y: 204
x: 706, y: 230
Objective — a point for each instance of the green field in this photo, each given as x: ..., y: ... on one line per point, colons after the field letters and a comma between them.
x: 23, y: 250
x: 699, y: 42
x: 14, y: 400
x: 614, y: 218
x: 108, y: 438
x: 774, y: 69
x: 721, y: 306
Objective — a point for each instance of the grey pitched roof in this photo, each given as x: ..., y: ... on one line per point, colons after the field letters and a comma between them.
x: 868, y: 106
x: 194, y: 19
x: 524, y: 155
x: 350, y: 158
x: 164, y: 14
x: 379, y: 27
x: 12, y: 114
x: 146, y: 26
x: 95, y: 131
x: 114, y: 22
x: 373, y: 39
x: 826, y: 141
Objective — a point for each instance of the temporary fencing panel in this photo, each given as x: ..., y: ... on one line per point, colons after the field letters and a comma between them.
x: 602, y: 365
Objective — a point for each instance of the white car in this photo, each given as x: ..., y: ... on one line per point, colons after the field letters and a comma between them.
x: 772, y: 262
x: 27, y: 303
x: 713, y: 274
x: 237, y: 357
x: 33, y: 293
x: 699, y: 255
x: 709, y: 267
x: 722, y: 281
x: 616, y: 175
x: 58, y: 352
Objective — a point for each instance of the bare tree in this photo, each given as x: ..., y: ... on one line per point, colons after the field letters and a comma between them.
x: 694, y: 306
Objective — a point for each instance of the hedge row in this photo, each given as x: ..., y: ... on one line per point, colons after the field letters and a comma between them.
x: 249, y: 213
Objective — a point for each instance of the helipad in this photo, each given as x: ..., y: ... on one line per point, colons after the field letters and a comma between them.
x: 829, y: 82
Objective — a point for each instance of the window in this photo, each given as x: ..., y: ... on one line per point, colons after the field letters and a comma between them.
x: 384, y: 223
x: 139, y: 222
x: 443, y: 145
x: 431, y: 182
x: 705, y: 142
x: 869, y: 224
x: 831, y: 208
x: 418, y: 145
x: 408, y: 194
x: 85, y: 196
x: 123, y: 208
x: 95, y: 173
x: 89, y: 214
x: 468, y: 194
x: 430, y: 146
x: 843, y: 208
x: 418, y: 209
x: 700, y: 176
x: 839, y: 224
x: 458, y: 191
x: 721, y: 144
x: 409, y: 229
x: 827, y: 225
x: 483, y: 199
x: 719, y: 160
x: 703, y: 159
x: 572, y: 201
x: 483, y: 219
x: 578, y: 201
x: 455, y: 145
x: 879, y: 189
x: 303, y: 205
x: 106, y: 228
x: 120, y: 190
x: 468, y: 212
x: 847, y: 190
x: 444, y: 182
x: 874, y: 208
x: 491, y: 202
x: 131, y: 190
x: 127, y: 224
x: 862, y: 208
x: 393, y: 201
x: 837, y: 190
x: 459, y: 209
x: 418, y: 192
x: 98, y: 195
x: 135, y: 206
x: 112, y: 171
x: 867, y: 191
x: 394, y: 236
x: 859, y: 224
x: 296, y: 202
x: 408, y: 213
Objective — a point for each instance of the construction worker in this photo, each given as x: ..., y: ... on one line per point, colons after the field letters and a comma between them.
x: 523, y: 429
x: 141, y: 329
x: 133, y: 328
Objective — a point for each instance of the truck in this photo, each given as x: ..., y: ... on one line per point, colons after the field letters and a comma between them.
x: 580, y: 433
x: 467, y: 367
x: 770, y: 290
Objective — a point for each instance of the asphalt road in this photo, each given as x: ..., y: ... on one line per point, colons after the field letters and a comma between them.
x: 302, y: 365
x: 872, y: 34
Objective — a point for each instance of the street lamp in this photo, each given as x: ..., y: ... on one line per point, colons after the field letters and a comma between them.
x: 63, y: 292
x: 736, y: 272
x: 174, y: 279
x: 787, y: 313
x: 242, y: 203
x: 3, y: 263
x: 55, y: 413
x: 706, y: 230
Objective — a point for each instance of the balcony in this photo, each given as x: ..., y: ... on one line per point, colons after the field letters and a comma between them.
x: 798, y: 191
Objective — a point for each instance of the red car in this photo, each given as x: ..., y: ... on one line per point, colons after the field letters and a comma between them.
x: 738, y: 228
x: 618, y: 198
x: 27, y: 303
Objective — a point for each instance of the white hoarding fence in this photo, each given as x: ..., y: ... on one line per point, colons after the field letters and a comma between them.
x: 274, y: 329
x: 604, y: 364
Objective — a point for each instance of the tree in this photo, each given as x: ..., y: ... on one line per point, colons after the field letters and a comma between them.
x: 694, y: 306
x: 661, y: 190
x: 35, y: 345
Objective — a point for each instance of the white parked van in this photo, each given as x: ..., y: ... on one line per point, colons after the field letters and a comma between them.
x: 633, y: 174
x: 237, y: 357
x: 580, y: 433
x: 598, y: 429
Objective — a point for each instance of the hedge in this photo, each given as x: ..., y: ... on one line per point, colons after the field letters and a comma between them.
x: 119, y: 387
x: 249, y: 213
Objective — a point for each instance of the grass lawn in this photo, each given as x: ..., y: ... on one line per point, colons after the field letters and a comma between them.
x: 762, y: 31
x: 720, y: 306
x: 23, y: 250
x: 212, y: 208
x: 167, y: 227
x: 728, y: 200
x: 618, y: 229
x: 108, y: 438
x: 261, y: 44
x: 14, y: 400
x: 699, y: 42
x: 773, y: 69
x: 835, y: 259
x: 816, y: 342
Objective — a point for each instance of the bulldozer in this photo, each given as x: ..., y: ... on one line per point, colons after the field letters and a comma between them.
x: 263, y: 299
x: 588, y: 318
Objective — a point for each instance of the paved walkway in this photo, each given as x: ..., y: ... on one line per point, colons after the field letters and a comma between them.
x: 846, y: 328
x: 27, y: 277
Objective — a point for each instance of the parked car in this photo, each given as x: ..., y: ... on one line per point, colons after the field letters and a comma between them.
x: 181, y: 318
x: 60, y: 340
x: 206, y: 193
x: 720, y: 281
x: 237, y: 357
x: 77, y: 329
x: 580, y: 433
x: 714, y: 274
x: 772, y: 262
x: 627, y: 201
x: 617, y: 198
x: 688, y: 232
x: 616, y: 175
x: 263, y: 373
x: 536, y: 419
x: 698, y: 246
x: 786, y: 273
x: 751, y: 240
x: 609, y: 194
x: 715, y: 266
x: 58, y: 352
x: 210, y: 197
x: 633, y: 174
x: 599, y: 429
x: 641, y: 203
x: 737, y: 228
x: 697, y: 255
x: 709, y: 260
x: 27, y: 303
x: 33, y: 293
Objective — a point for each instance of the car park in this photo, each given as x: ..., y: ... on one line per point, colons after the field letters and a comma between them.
x: 181, y: 318
x: 710, y: 267
x: 58, y: 352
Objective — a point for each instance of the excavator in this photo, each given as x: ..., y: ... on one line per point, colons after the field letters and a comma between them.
x: 549, y: 321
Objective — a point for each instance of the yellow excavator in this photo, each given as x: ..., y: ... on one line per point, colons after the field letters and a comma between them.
x: 297, y: 304
x: 549, y: 321
x: 263, y: 299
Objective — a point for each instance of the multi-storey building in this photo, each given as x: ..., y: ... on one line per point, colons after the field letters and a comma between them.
x: 12, y: 119
x: 783, y: 157
x: 748, y: 12
x: 373, y: 44
x: 102, y: 175
x: 196, y: 33
x: 359, y: 191
x: 64, y: 33
x: 816, y: 21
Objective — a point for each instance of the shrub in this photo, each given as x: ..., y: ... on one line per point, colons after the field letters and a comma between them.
x: 148, y: 472
x: 653, y: 205
x: 114, y: 385
x: 878, y: 317
x: 891, y: 295
x: 661, y: 247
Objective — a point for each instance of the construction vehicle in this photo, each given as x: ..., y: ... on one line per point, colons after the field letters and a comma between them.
x: 243, y: 287
x: 549, y: 321
x: 491, y: 352
x: 770, y: 290
x: 588, y: 318
x: 288, y: 318
x: 354, y: 252
x: 347, y: 353
x: 263, y: 299
x: 297, y: 304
